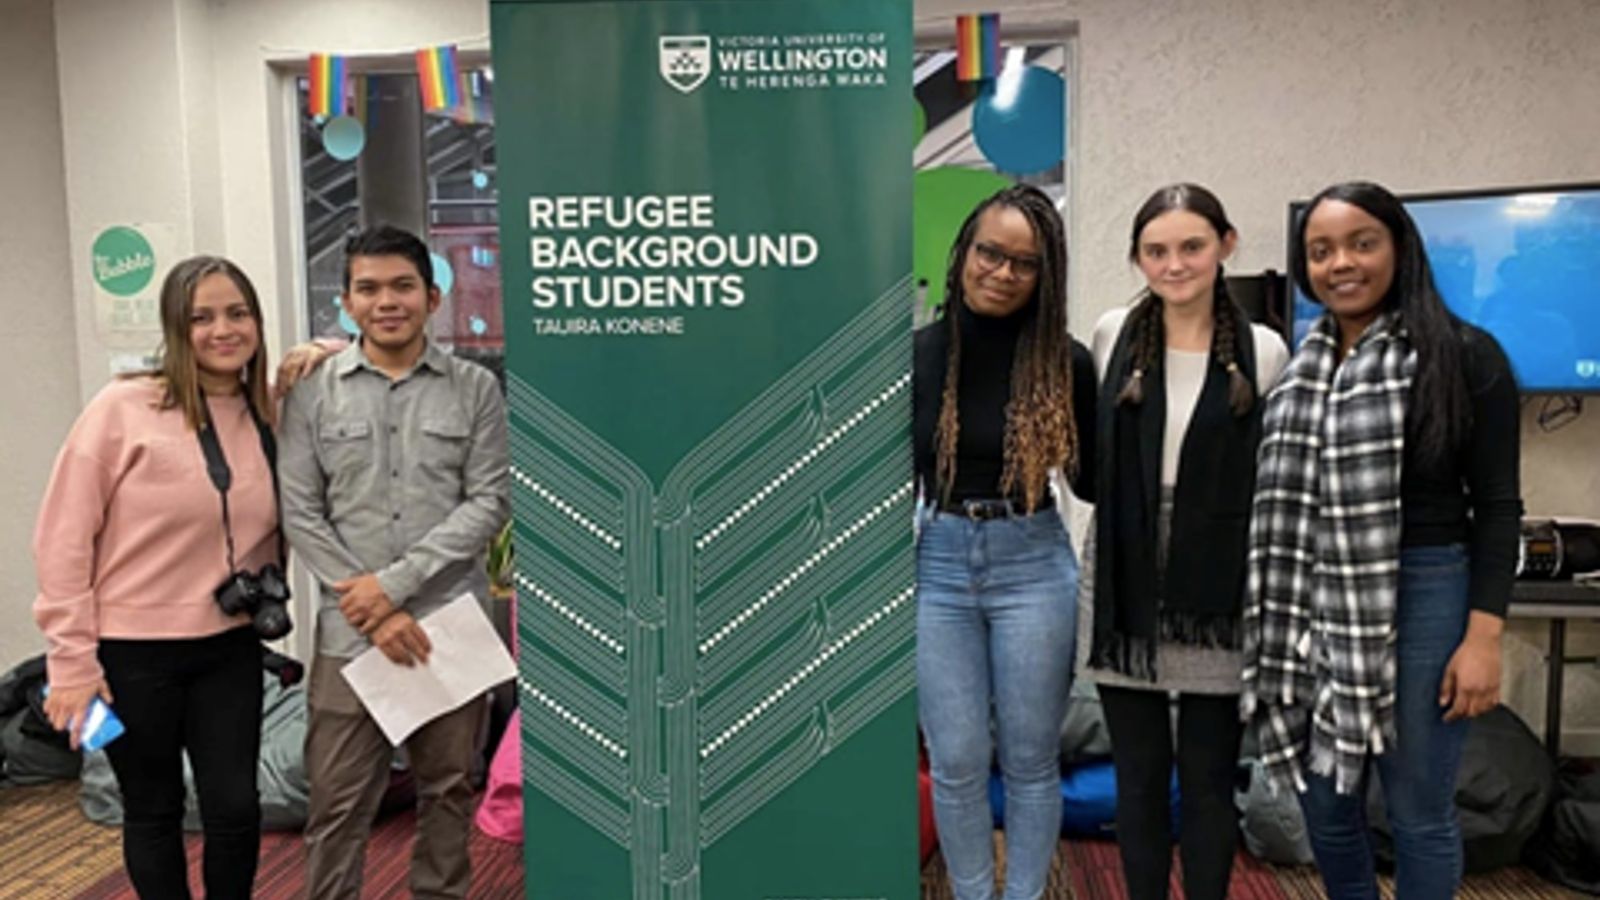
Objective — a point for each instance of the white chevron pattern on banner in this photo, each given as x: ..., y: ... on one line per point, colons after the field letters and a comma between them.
x: 754, y: 612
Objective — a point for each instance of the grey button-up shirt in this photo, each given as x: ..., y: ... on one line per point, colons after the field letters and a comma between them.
x: 406, y: 478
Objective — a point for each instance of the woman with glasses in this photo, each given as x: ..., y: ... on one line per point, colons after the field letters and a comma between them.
x: 1004, y: 401
x: 1179, y: 423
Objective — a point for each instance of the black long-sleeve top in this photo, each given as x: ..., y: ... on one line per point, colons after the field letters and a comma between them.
x: 1475, y: 496
x: 988, y: 347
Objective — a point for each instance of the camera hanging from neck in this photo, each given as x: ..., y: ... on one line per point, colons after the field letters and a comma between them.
x: 222, y: 475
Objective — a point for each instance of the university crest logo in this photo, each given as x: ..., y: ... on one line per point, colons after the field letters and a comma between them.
x: 685, y: 60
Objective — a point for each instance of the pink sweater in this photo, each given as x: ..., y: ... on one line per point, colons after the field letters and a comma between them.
x: 129, y: 542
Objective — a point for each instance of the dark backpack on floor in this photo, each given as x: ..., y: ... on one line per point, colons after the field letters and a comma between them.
x: 31, y: 752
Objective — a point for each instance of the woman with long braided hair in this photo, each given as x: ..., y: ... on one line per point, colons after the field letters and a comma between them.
x: 1004, y: 400
x: 1181, y: 373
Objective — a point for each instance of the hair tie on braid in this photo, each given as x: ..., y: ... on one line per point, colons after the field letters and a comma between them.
x: 1145, y: 325
x: 1241, y: 395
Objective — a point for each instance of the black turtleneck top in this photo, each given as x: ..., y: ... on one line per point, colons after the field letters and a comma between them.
x: 988, y: 347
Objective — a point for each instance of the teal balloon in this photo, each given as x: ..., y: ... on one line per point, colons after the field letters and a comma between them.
x: 344, y: 137
x: 480, y: 179
x: 478, y: 326
x: 944, y: 197
x: 1022, y: 132
x: 443, y: 275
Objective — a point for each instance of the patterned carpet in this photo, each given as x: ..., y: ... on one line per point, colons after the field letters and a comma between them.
x: 1091, y: 870
x: 48, y: 851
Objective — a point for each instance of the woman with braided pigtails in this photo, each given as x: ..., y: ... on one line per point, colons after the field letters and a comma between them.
x: 1181, y: 375
x: 1004, y: 399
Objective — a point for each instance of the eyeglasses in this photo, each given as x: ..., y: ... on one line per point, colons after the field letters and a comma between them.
x: 991, y: 257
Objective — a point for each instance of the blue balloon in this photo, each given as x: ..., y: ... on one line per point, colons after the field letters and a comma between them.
x: 478, y: 325
x: 344, y: 137
x: 443, y: 275
x: 1019, y: 120
x: 480, y: 179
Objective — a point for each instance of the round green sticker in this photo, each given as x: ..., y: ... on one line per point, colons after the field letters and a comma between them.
x: 123, y: 261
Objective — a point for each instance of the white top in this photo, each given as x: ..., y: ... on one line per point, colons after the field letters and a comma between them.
x: 1186, y: 370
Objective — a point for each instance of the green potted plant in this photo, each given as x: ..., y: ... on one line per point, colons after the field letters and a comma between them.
x: 502, y: 559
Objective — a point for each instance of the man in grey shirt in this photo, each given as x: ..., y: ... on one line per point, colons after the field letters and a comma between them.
x: 393, y: 471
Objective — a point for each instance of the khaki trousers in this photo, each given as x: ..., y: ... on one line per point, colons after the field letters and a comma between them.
x: 347, y: 763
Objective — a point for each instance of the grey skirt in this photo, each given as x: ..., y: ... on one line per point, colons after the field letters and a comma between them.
x: 1180, y: 668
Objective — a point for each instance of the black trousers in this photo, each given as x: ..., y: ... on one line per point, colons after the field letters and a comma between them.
x: 203, y: 696
x: 1207, y: 754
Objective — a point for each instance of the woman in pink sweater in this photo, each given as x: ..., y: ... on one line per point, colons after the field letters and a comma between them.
x: 133, y: 540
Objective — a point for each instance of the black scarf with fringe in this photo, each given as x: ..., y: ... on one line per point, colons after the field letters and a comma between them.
x: 1197, y: 600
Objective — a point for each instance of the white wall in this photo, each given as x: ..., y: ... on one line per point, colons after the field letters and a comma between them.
x: 37, y: 337
x: 136, y: 136
x: 172, y: 111
x: 255, y: 43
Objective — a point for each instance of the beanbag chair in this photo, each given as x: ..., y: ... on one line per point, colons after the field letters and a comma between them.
x: 1505, y: 785
x: 1088, y: 800
x: 1273, y: 824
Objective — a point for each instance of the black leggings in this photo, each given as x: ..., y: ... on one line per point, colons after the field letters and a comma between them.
x: 201, y: 695
x: 1208, y: 752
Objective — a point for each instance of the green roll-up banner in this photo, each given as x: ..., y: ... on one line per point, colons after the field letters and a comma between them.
x: 705, y: 220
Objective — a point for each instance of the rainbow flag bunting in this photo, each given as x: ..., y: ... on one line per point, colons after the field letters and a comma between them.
x: 441, y: 80
x: 327, y: 85
x: 466, y: 111
x: 474, y: 106
x: 977, y: 46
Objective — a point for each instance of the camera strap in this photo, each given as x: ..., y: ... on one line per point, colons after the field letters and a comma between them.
x: 222, y: 476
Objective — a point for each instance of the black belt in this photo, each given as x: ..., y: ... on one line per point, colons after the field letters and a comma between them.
x: 996, y: 508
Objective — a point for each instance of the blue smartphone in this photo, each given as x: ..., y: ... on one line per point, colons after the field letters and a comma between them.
x: 100, y: 725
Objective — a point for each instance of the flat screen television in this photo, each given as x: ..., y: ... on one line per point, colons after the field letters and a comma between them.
x: 1522, y: 264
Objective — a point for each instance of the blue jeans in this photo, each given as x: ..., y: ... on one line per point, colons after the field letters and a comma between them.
x: 1419, y: 772
x: 996, y: 623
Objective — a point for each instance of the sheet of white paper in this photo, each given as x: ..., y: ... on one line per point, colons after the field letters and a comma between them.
x: 467, y: 659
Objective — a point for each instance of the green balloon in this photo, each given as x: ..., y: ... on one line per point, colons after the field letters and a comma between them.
x: 921, y: 127
x: 944, y: 197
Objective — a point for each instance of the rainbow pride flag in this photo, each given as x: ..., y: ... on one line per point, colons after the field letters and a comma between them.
x: 474, y: 106
x: 440, y: 78
x: 467, y: 110
x: 977, y: 46
x: 327, y: 85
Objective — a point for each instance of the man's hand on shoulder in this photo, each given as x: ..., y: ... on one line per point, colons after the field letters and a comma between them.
x: 364, y: 602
